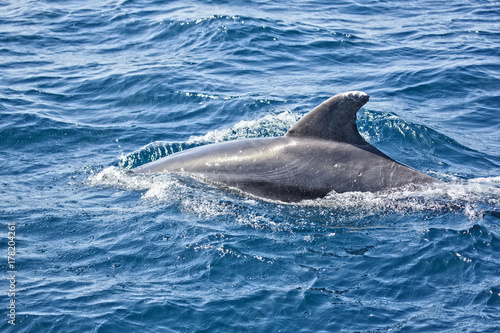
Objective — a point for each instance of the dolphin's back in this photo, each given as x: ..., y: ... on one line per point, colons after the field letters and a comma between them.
x: 322, y: 153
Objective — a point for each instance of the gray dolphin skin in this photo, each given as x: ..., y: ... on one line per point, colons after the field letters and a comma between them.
x: 321, y: 153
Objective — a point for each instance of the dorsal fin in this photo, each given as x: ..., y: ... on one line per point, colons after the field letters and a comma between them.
x: 334, y: 119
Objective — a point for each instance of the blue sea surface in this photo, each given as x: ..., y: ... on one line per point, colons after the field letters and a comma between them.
x: 90, y: 89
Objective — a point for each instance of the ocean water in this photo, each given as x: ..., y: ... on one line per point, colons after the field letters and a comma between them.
x: 89, y: 89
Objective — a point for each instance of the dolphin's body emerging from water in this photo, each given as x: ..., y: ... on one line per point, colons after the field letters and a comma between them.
x: 321, y: 153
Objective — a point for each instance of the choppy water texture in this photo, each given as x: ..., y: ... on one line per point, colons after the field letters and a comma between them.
x: 89, y: 89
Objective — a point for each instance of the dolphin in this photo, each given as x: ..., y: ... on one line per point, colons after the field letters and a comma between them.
x: 321, y: 153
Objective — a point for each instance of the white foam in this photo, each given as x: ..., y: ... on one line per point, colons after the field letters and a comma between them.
x: 470, y: 197
x: 269, y: 125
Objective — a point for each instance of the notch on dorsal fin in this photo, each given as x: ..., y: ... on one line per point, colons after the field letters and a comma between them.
x: 334, y: 119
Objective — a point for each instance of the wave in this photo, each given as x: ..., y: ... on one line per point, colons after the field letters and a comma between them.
x: 267, y: 126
